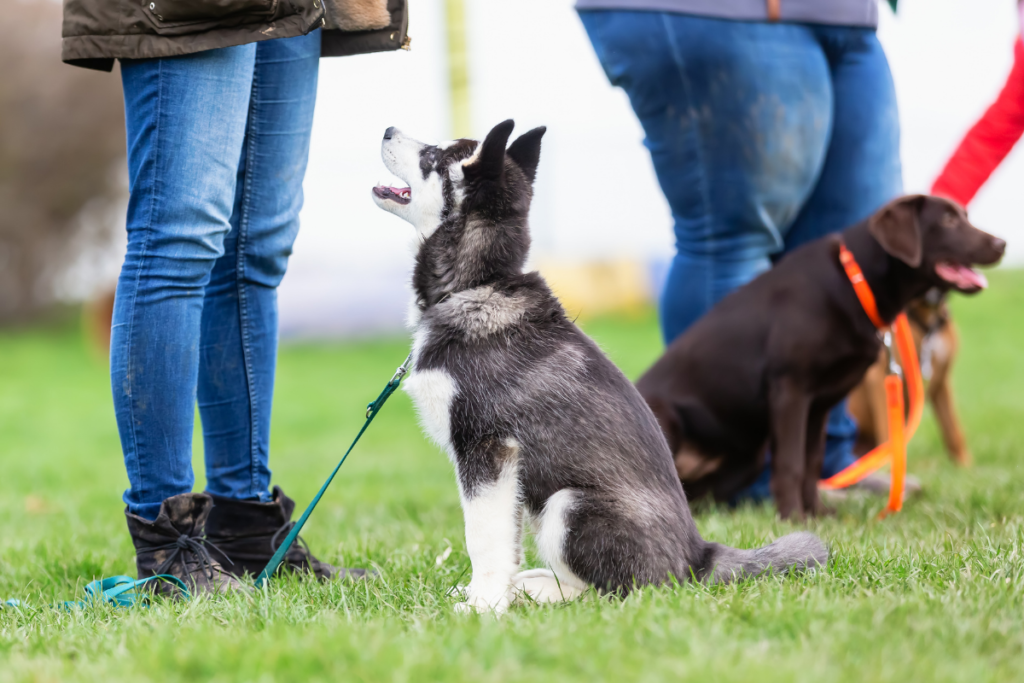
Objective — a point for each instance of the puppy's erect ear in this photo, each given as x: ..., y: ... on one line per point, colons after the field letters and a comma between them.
x: 489, y: 160
x: 897, y: 227
x: 525, y: 151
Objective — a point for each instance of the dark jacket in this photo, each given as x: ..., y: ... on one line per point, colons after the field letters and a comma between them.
x: 98, y: 31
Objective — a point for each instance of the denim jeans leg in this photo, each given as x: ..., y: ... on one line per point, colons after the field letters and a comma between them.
x: 185, y: 120
x: 736, y: 116
x: 861, y: 173
x: 238, y: 347
x: 862, y: 168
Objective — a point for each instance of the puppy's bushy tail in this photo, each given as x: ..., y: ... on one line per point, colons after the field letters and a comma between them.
x: 795, y: 552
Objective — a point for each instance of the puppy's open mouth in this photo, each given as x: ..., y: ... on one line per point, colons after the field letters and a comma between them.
x: 400, y: 195
x: 960, y: 276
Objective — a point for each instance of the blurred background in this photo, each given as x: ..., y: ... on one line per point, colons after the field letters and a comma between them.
x: 602, y: 231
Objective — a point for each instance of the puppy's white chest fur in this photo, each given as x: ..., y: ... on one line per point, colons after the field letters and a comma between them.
x: 432, y: 392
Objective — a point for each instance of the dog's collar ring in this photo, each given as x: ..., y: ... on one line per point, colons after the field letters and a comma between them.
x: 894, y: 367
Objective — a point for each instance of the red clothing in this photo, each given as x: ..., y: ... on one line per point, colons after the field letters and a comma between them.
x: 989, y: 141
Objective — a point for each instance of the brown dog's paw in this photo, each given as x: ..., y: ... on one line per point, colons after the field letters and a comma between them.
x: 814, y: 506
x: 821, y: 510
x: 792, y: 513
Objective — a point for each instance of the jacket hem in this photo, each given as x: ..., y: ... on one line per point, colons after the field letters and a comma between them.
x: 99, y: 52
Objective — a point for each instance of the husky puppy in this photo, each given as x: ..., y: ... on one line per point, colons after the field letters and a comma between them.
x: 539, y: 423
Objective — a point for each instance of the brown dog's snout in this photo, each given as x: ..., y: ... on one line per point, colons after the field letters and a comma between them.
x: 991, y: 250
x: 982, y: 248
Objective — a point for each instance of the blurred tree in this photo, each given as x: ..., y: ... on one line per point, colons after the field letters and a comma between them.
x: 62, y: 154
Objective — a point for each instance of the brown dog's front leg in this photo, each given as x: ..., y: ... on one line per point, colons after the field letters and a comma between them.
x: 789, y: 407
x: 816, y: 428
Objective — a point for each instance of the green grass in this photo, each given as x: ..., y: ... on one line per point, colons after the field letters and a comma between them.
x: 935, y: 593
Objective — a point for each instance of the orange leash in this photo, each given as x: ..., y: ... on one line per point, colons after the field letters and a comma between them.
x: 894, y: 450
x: 897, y: 444
x: 860, y: 286
x: 875, y: 459
x: 911, y: 372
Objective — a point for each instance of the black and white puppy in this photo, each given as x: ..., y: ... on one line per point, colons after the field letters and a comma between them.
x: 540, y: 425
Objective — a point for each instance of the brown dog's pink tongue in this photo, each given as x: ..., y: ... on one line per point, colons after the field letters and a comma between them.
x: 961, y: 276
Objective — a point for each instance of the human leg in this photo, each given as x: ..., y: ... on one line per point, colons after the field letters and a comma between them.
x: 862, y: 168
x: 736, y: 117
x: 185, y: 120
x: 238, y: 343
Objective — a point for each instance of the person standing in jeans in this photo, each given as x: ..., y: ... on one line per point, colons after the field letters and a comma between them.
x: 219, y: 104
x: 769, y: 124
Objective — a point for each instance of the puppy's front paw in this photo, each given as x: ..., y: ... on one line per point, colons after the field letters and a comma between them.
x: 495, y: 602
x: 466, y: 608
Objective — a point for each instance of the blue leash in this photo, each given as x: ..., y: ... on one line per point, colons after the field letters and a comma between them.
x: 371, y: 412
x: 121, y: 590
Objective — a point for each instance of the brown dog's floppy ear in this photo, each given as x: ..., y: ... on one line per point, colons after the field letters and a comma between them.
x: 897, y: 227
x: 525, y: 151
x: 489, y: 160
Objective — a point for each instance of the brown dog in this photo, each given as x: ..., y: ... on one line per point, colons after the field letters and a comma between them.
x: 936, y: 339
x: 763, y: 368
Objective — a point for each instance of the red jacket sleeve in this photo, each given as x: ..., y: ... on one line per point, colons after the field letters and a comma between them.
x: 989, y: 141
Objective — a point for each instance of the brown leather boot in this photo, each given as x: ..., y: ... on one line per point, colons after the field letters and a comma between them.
x: 249, y: 532
x: 173, y: 544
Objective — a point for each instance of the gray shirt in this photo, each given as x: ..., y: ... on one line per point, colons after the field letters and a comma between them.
x: 834, y: 12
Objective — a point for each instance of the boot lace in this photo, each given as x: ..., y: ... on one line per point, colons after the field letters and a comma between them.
x: 276, y: 540
x: 194, y: 546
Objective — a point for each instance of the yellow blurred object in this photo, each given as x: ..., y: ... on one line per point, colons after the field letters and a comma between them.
x: 458, y: 67
x: 36, y: 505
x: 596, y: 288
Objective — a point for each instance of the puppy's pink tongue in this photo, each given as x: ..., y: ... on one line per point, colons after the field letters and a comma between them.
x: 961, y: 276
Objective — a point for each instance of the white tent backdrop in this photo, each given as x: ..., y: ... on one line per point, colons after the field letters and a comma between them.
x: 596, y: 195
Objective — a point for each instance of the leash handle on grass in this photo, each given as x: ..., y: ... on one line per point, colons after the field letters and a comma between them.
x: 371, y: 412
x: 119, y: 591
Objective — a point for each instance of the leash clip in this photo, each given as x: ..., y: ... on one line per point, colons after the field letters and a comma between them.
x: 402, y: 370
x: 894, y: 367
x: 396, y: 379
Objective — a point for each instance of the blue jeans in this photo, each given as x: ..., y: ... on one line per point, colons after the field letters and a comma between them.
x: 763, y: 136
x: 217, y: 150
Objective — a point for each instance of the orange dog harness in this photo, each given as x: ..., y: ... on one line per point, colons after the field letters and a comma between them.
x: 895, y: 449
